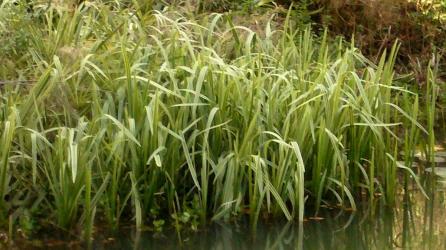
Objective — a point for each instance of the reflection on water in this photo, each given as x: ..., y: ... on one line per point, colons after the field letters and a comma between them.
x: 415, y: 223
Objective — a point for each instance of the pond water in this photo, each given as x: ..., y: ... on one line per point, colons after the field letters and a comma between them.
x: 415, y: 223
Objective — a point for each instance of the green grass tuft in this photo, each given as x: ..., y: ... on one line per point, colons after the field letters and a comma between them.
x: 135, y: 116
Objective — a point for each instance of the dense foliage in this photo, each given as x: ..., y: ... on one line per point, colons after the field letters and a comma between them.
x: 119, y: 114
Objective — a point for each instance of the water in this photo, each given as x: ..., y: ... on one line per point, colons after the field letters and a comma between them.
x: 414, y: 223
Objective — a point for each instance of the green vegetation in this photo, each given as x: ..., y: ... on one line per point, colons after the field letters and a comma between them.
x: 112, y: 114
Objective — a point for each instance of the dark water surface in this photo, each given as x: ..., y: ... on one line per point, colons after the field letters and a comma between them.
x: 415, y: 223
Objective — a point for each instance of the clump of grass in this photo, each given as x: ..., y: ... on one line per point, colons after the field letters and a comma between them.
x: 9, y: 126
x: 163, y: 115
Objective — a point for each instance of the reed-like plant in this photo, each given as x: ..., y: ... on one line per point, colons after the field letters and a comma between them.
x: 8, y: 130
x: 138, y: 115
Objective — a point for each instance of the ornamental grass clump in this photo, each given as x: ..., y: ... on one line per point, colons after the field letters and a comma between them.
x: 159, y: 115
